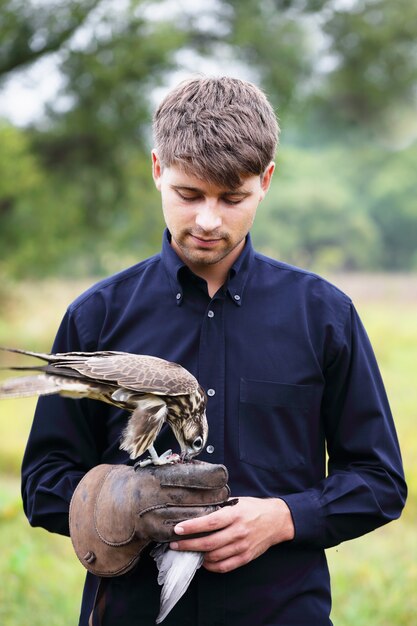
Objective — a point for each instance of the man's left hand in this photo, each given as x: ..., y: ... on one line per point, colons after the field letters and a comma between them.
x: 243, y: 532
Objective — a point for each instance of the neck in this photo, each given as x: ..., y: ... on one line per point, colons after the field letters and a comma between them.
x: 214, y: 274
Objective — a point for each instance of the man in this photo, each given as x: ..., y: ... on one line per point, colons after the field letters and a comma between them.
x: 287, y: 367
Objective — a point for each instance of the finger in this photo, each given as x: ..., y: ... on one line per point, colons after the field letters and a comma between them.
x: 207, y: 523
x: 226, y: 552
x: 208, y: 543
x: 227, y: 565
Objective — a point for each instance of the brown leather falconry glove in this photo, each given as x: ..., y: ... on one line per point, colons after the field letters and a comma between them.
x: 116, y: 510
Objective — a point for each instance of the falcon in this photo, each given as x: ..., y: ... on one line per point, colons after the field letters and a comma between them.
x: 153, y: 390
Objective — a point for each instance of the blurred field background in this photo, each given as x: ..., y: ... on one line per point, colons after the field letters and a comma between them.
x: 78, y: 83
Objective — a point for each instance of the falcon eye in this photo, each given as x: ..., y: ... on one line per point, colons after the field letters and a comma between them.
x: 198, y: 443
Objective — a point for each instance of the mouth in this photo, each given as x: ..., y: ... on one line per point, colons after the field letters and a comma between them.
x: 205, y: 243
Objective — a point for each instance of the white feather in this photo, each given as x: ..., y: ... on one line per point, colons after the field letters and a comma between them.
x: 176, y: 571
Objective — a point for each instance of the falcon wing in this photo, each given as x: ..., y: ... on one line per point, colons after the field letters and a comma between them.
x: 136, y: 372
x: 143, y: 425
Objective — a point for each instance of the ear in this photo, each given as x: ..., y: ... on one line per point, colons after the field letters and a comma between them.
x: 156, y: 170
x: 266, y: 179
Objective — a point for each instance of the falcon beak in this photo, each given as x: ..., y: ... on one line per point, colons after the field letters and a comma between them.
x: 186, y: 455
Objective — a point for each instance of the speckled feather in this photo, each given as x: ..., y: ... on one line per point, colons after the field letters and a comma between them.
x: 152, y: 389
x: 137, y: 372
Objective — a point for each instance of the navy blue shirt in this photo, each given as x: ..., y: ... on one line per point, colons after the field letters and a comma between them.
x: 296, y: 410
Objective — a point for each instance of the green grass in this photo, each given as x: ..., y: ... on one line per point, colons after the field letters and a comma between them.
x: 374, y: 577
x: 42, y: 580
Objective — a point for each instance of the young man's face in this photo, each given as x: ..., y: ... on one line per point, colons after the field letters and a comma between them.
x: 208, y: 224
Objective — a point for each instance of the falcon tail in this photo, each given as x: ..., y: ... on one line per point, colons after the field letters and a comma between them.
x: 40, y: 385
x: 27, y: 386
x: 58, y: 356
x: 37, y: 355
x: 176, y: 571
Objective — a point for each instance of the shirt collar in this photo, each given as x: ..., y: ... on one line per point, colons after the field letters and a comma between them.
x: 238, y: 274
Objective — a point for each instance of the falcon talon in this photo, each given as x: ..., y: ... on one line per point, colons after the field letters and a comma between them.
x: 173, y: 458
x: 162, y: 460
x: 143, y: 463
x: 166, y: 455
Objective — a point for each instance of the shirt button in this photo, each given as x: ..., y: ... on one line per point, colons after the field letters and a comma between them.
x: 237, y: 297
x: 178, y: 296
x: 210, y: 392
x: 210, y: 449
x: 210, y: 313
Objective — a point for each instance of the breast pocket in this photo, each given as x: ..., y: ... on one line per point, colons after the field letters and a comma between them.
x: 273, y: 429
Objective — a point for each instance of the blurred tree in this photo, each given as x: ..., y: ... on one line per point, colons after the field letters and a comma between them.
x: 347, y: 62
x: 393, y: 207
x: 105, y: 121
x: 311, y: 216
x: 29, y: 30
x: 340, y: 65
x: 334, y: 70
x: 20, y: 177
x: 89, y: 148
x: 272, y: 39
x: 38, y: 222
x: 372, y: 47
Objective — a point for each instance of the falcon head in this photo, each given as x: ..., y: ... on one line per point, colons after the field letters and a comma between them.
x: 187, y: 417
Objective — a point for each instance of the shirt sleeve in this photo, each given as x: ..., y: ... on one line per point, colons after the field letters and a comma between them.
x: 64, y: 443
x: 365, y: 486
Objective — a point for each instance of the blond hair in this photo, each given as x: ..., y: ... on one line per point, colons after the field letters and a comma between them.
x: 219, y: 129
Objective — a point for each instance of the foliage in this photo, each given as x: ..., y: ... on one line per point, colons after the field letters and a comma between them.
x: 329, y: 209
x: 76, y: 195
x: 46, y: 229
x: 393, y: 208
x: 373, y: 44
x: 28, y: 33
x: 275, y: 46
x: 35, y: 214
x: 343, y: 65
x: 103, y: 130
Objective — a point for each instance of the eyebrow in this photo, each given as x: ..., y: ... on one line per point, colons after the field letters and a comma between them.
x: 241, y: 193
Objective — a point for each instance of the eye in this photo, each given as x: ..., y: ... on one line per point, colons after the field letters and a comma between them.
x: 187, y: 198
x: 232, y: 201
x: 198, y: 443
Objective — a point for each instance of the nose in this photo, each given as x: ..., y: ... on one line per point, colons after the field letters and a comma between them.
x: 208, y: 217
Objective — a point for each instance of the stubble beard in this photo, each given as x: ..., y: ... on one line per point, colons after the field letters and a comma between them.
x: 201, y: 256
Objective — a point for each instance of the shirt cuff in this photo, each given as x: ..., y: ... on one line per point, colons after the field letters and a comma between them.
x: 307, y: 517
